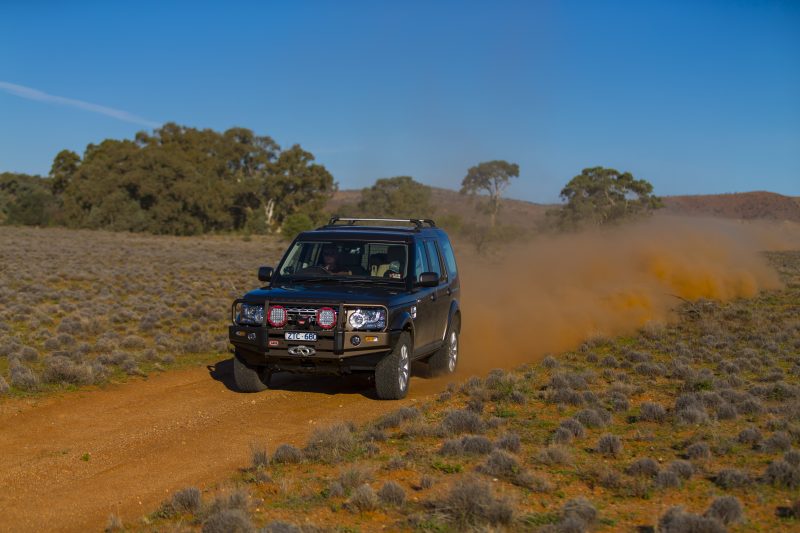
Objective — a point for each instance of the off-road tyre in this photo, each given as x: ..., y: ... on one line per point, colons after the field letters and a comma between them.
x: 445, y: 359
x: 393, y: 372
x: 249, y: 378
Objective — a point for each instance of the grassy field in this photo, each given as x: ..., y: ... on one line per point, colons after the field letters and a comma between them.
x: 82, y: 308
x: 693, y: 426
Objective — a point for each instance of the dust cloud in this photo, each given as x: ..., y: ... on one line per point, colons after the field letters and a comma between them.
x: 553, y: 293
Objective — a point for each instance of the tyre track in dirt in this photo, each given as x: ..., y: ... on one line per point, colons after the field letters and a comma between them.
x: 146, y: 439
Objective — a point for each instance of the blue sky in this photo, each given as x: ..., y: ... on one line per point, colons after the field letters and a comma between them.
x: 697, y: 97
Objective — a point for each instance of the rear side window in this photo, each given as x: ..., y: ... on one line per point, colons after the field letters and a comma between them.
x: 433, y: 258
x: 449, y: 257
x: 421, y: 263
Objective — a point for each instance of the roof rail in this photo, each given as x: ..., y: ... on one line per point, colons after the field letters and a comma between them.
x: 418, y: 222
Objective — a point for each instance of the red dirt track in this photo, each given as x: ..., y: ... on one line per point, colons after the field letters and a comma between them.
x: 146, y: 439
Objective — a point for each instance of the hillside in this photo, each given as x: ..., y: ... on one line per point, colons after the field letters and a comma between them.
x: 449, y: 202
x: 757, y: 205
x: 748, y: 206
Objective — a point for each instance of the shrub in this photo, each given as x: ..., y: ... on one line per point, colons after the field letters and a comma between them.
x: 562, y: 436
x: 549, y: 362
x: 23, y: 377
x: 471, y: 504
x: 363, y: 499
x: 500, y: 464
x: 645, y: 467
x: 554, y: 455
x: 726, y: 411
x: 792, y: 457
x: 782, y: 474
x: 471, y: 444
x: 725, y: 509
x: 4, y: 387
x: 509, y: 441
x: 461, y: 421
x: 574, y: 427
x: 729, y: 478
x: 187, y: 500
x: 676, y: 520
x: 259, y: 456
x: 618, y: 401
x: 652, y: 412
x: 684, y: 469
x: 354, y: 476
x: 278, y: 526
x: 750, y: 436
x: 395, y: 418
x: 392, y: 493
x: 691, y: 415
x: 609, y: 445
x: 698, y: 450
x: 593, y: 418
x: 228, y: 521
x: 286, y: 454
x: 331, y: 444
x: 777, y: 442
x: 426, y: 482
x: 667, y: 479
x: 579, y: 510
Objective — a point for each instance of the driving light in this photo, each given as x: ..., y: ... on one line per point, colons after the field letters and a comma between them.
x: 251, y: 314
x: 277, y: 316
x: 326, y: 317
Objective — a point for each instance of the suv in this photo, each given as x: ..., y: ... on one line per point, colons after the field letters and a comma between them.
x: 352, y: 298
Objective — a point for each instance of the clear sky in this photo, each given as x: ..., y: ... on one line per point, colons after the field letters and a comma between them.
x: 695, y: 96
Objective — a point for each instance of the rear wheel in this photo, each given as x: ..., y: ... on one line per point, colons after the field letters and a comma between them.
x: 249, y: 378
x: 393, y: 372
x: 445, y: 359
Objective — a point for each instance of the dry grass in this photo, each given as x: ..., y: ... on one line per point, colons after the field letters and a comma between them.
x: 82, y: 307
x: 691, y: 426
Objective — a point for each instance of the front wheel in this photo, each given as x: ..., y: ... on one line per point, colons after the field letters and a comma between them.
x: 393, y: 372
x: 445, y: 359
x: 249, y: 378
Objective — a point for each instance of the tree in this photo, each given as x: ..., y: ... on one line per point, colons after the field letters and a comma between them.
x: 295, y: 184
x: 400, y: 197
x: 492, y: 177
x: 64, y: 167
x: 600, y: 196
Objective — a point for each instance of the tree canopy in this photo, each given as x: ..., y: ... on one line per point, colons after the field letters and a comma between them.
x: 400, y: 196
x: 181, y: 180
x: 493, y: 177
x: 599, y: 196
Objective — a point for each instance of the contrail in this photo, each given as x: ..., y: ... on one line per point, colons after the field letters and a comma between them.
x: 34, y: 94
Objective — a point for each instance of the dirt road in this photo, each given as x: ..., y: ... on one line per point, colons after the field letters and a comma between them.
x: 66, y: 463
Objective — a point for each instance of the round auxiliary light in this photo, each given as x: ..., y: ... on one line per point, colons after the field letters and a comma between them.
x: 326, y: 317
x: 277, y: 316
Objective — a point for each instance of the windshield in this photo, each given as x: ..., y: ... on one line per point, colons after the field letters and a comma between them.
x: 359, y: 259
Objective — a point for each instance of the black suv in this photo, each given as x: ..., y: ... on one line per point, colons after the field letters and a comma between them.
x: 350, y: 297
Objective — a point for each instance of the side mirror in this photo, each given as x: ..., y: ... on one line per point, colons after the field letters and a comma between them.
x: 428, y: 279
x: 265, y: 273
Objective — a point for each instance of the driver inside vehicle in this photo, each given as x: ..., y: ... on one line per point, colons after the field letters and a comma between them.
x: 331, y: 260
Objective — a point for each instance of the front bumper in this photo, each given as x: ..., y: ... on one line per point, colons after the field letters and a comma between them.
x: 334, y: 352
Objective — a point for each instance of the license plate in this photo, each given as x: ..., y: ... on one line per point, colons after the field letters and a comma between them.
x: 306, y: 336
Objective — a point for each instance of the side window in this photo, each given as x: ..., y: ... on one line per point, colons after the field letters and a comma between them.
x: 449, y: 257
x: 433, y: 258
x: 421, y: 263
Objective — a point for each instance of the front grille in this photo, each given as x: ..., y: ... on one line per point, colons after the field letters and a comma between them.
x: 301, y: 317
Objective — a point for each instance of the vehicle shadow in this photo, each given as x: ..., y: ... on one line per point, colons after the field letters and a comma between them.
x: 362, y: 384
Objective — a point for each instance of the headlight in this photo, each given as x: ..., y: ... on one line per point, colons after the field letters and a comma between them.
x: 367, y: 319
x: 251, y: 314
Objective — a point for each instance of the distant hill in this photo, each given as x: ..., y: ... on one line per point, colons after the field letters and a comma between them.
x: 758, y: 205
x: 449, y: 202
x: 747, y: 205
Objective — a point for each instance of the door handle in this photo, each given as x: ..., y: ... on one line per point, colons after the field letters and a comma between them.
x: 433, y: 297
